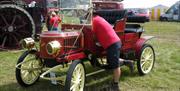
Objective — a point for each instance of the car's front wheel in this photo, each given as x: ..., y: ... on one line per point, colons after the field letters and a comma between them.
x: 28, y: 68
x: 75, y: 80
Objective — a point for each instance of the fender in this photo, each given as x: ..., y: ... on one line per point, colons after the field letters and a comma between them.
x: 140, y: 43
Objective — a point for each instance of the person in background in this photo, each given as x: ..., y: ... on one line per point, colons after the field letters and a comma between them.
x: 48, y: 21
x: 109, y: 40
x: 54, y: 22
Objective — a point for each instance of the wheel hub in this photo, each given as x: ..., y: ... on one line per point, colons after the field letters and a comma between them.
x: 77, y: 81
x: 10, y: 28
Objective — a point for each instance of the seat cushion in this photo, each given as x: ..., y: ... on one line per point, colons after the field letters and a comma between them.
x: 133, y: 28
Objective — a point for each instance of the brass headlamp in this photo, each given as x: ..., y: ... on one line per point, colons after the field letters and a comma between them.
x: 28, y: 43
x: 53, y: 47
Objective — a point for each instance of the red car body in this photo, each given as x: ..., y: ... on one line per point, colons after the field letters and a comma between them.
x: 130, y: 35
x: 75, y: 45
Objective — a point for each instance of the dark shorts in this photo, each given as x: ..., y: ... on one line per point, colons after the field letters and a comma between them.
x: 53, y: 29
x: 113, y: 54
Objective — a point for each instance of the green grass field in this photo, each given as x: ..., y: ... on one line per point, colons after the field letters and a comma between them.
x: 164, y: 77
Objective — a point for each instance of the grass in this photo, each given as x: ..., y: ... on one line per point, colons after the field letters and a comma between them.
x: 164, y: 77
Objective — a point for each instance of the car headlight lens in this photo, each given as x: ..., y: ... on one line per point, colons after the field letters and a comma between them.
x: 28, y: 43
x: 53, y: 47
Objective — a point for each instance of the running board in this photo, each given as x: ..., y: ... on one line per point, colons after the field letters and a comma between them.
x: 92, y: 73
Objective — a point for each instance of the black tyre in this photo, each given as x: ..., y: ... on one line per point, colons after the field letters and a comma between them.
x: 146, y: 59
x: 29, y: 71
x: 75, y: 80
x: 163, y: 19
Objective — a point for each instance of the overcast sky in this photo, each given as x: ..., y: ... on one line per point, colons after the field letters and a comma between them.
x: 147, y: 3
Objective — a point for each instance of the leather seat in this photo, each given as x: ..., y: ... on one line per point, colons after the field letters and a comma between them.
x: 133, y: 28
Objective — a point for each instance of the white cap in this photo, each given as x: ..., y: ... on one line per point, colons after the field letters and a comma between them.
x: 53, y: 13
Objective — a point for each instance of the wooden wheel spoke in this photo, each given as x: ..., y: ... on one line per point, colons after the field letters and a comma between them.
x: 32, y: 75
x: 79, y: 75
x: 16, y: 40
x: 143, y: 56
x: 35, y: 73
x: 23, y: 71
x: 76, y: 73
x: 148, y: 64
x: 73, y: 81
x: 30, y: 65
x: 4, y: 41
x: 150, y: 59
x: 142, y: 64
x: 73, y: 86
x: 25, y: 74
x: 4, y: 19
x: 29, y: 76
x: 144, y: 67
x: 149, y: 56
x: 14, y: 19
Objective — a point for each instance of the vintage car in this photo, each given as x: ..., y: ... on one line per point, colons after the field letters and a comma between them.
x: 74, y: 45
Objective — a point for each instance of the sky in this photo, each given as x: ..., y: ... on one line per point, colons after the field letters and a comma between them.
x: 147, y: 3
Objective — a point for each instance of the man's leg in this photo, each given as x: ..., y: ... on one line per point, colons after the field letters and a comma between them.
x: 129, y: 63
x: 116, y: 74
x: 113, y: 62
x: 113, y: 53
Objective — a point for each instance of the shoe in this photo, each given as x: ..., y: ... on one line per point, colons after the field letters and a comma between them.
x: 130, y: 64
x: 114, y: 87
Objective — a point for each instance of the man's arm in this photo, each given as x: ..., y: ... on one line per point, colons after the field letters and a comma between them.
x: 59, y: 19
x: 96, y: 41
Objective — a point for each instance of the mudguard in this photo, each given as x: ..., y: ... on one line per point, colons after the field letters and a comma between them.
x: 76, y: 56
x: 140, y: 43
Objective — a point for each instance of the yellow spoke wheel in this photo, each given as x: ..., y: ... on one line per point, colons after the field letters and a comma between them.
x: 75, y: 80
x: 146, y: 60
x: 29, y: 71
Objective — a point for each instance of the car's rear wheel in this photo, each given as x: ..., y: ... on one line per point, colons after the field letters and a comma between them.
x: 146, y: 60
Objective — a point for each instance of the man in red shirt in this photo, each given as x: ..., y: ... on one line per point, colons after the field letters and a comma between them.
x: 110, y: 41
x: 54, y: 22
